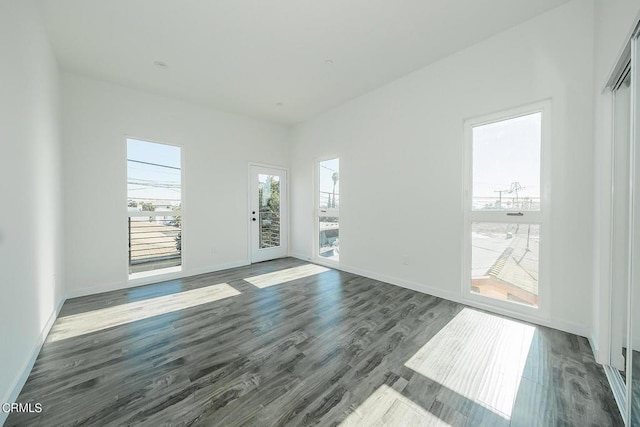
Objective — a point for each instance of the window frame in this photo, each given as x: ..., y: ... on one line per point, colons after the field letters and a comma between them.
x: 169, y: 272
x: 318, y: 213
x: 541, y: 313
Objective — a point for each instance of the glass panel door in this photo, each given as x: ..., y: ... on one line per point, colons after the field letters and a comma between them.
x: 268, y: 213
x: 504, y: 214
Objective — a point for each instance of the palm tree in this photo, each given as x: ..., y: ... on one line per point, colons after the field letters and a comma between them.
x: 334, y: 177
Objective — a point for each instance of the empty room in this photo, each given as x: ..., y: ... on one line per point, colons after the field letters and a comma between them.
x: 334, y: 213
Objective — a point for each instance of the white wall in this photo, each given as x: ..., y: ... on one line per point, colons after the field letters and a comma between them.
x: 216, y: 147
x: 614, y: 21
x: 401, y: 148
x: 30, y: 218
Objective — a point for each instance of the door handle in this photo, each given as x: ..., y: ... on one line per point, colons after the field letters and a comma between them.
x: 515, y: 214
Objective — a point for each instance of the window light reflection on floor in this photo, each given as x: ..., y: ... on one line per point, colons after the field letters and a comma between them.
x: 479, y: 356
x: 388, y: 407
x: 96, y: 320
x: 286, y: 275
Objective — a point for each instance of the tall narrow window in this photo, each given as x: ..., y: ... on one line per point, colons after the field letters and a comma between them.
x: 328, y: 212
x: 154, y: 201
x: 505, y: 206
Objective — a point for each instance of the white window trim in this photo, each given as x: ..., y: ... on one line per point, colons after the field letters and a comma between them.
x: 542, y: 313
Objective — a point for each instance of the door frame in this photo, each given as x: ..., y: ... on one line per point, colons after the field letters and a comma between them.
x: 541, y: 313
x: 284, y: 209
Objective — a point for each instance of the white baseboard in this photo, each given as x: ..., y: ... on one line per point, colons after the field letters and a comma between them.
x: 114, y: 286
x: 559, y: 324
x: 214, y: 268
x: 99, y: 289
x: 23, y: 373
x: 301, y: 256
x: 600, y: 351
x: 570, y: 327
x: 408, y: 284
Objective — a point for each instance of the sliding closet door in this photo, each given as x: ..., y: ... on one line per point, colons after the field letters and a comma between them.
x: 620, y: 223
x: 623, y: 318
x: 633, y: 365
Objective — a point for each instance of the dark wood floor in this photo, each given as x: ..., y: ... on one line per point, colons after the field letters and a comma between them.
x: 289, y: 343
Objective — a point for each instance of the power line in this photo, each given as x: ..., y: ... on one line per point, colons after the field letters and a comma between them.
x: 135, y: 178
x: 175, y: 190
x: 154, y: 198
x: 153, y: 164
x: 154, y: 184
x: 147, y: 171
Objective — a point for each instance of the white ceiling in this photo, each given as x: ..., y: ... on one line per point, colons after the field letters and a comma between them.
x: 245, y: 56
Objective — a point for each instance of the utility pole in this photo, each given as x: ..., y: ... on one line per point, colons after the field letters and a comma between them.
x: 500, y: 193
x: 515, y: 186
x: 334, y: 177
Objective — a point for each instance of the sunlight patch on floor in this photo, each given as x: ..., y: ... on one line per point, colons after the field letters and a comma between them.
x: 287, y: 275
x: 387, y: 407
x: 96, y: 320
x: 479, y: 356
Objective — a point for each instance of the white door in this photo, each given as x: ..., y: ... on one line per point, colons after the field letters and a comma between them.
x: 268, y: 213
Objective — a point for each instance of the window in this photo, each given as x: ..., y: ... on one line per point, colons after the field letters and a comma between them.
x: 328, y: 210
x: 504, y: 218
x: 154, y: 208
x: 269, y: 210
